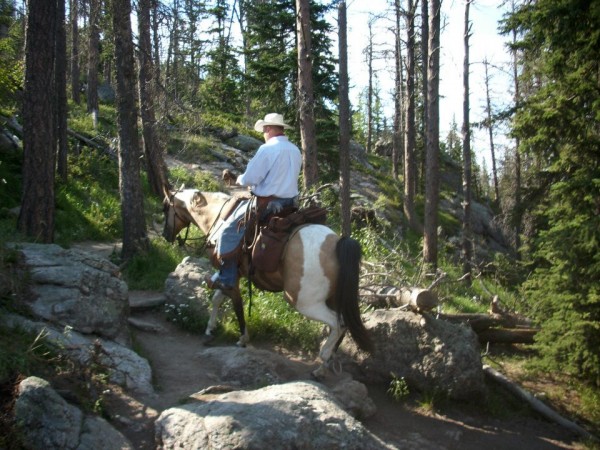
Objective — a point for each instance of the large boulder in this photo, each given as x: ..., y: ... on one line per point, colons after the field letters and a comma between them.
x: 299, y: 415
x: 124, y: 367
x: 185, y: 286
x: 75, y: 289
x: 245, y: 143
x: 432, y: 355
x: 47, y: 421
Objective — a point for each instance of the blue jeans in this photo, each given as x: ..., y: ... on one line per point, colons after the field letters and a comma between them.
x: 233, y: 232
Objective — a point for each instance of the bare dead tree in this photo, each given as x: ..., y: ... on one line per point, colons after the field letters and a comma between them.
x: 344, y: 121
x: 75, y: 94
x: 466, y: 137
x: 488, y: 123
x: 410, y: 126
x: 432, y: 169
x: 305, y: 95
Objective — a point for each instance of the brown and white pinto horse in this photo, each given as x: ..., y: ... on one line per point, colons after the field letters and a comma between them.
x: 318, y: 274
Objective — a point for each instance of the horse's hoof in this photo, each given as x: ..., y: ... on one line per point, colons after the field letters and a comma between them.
x: 335, y: 366
x: 244, y: 339
x: 208, y: 339
x: 319, y: 373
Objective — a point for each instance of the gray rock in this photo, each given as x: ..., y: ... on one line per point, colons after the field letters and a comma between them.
x: 106, y: 93
x: 299, y: 415
x: 432, y: 355
x: 185, y: 285
x: 245, y: 143
x: 247, y: 367
x: 125, y: 367
x: 48, y: 422
x: 75, y: 289
x: 355, y: 398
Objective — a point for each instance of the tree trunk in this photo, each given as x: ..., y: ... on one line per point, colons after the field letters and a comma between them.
x: 466, y: 135
x: 370, y: 89
x: 75, y: 87
x: 93, y: 59
x: 420, y: 158
x: 305, y: 94
x: 155, y: 165
x: 344, y: 122
x: 397, y: 141
x: 36, y: 216
x: 410, y: 143
x: 132, y: 206
x: 432, y: 170
x: 490, y: 127
x: 517, y: 214
x: 61, y: 90
x: 158, y: 94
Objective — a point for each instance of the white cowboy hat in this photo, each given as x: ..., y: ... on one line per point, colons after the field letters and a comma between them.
x: 270, y: 119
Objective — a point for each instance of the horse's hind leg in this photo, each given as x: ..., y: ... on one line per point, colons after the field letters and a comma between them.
x: 322, y: 313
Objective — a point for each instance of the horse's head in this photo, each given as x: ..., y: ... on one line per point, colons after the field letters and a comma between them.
x: 176, y: 218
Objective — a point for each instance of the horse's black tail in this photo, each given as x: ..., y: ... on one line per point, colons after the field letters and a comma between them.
x: 349, y: 254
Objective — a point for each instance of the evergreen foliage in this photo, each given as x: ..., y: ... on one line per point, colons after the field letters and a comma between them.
x: 557, y: 123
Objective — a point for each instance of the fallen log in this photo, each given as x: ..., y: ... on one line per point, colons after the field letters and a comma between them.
x: 536, y: 405
x: 418, y: 299
x: 415, y: 298
x: 507, y: 335
x: 91, y: 143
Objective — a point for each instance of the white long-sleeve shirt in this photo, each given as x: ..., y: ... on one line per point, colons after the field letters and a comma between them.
x: 274, y: 170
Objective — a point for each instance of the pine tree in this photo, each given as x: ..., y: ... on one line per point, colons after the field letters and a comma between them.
x: 557, y: 125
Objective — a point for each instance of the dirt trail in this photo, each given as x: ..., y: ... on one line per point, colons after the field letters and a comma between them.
x: 179, y: 373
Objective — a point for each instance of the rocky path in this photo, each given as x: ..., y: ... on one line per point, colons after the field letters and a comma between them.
x: 180, y: 372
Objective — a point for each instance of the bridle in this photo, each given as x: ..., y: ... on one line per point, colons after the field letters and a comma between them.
x: 176, y: 215
x: 182, y: 241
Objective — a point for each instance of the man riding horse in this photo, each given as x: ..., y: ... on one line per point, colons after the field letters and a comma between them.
x: 272, y: 175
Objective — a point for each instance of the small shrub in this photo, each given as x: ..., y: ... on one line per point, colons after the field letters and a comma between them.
x: 398, y: 389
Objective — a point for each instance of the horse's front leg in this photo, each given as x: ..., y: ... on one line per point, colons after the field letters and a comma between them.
x: 217, y: 301
x: 238, y: 307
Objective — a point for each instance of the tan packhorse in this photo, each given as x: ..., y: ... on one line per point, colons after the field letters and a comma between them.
x: 318, y: 273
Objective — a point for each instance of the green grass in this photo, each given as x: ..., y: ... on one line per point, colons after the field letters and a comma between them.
x: 150, y: 270
x: 270, y: 319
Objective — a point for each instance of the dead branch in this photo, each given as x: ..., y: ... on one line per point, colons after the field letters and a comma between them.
x: 536, y: 404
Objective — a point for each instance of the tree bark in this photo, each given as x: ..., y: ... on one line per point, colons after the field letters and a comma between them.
x: 397, y: 144
x: 424, y: 88
x: 155, y: 164
x: 370, y: 89
x: 466, y: 135
x: 410, y: 143
x: 306, y: 95
x: 517, y: 211
x: 489, y: 125
x: 432, y: 170
x: 344, y: 122
x: 130, y: 188
x: 75, y: 87
x: 93, y: 59
x: 36, y: 216
x: 61, y: 90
